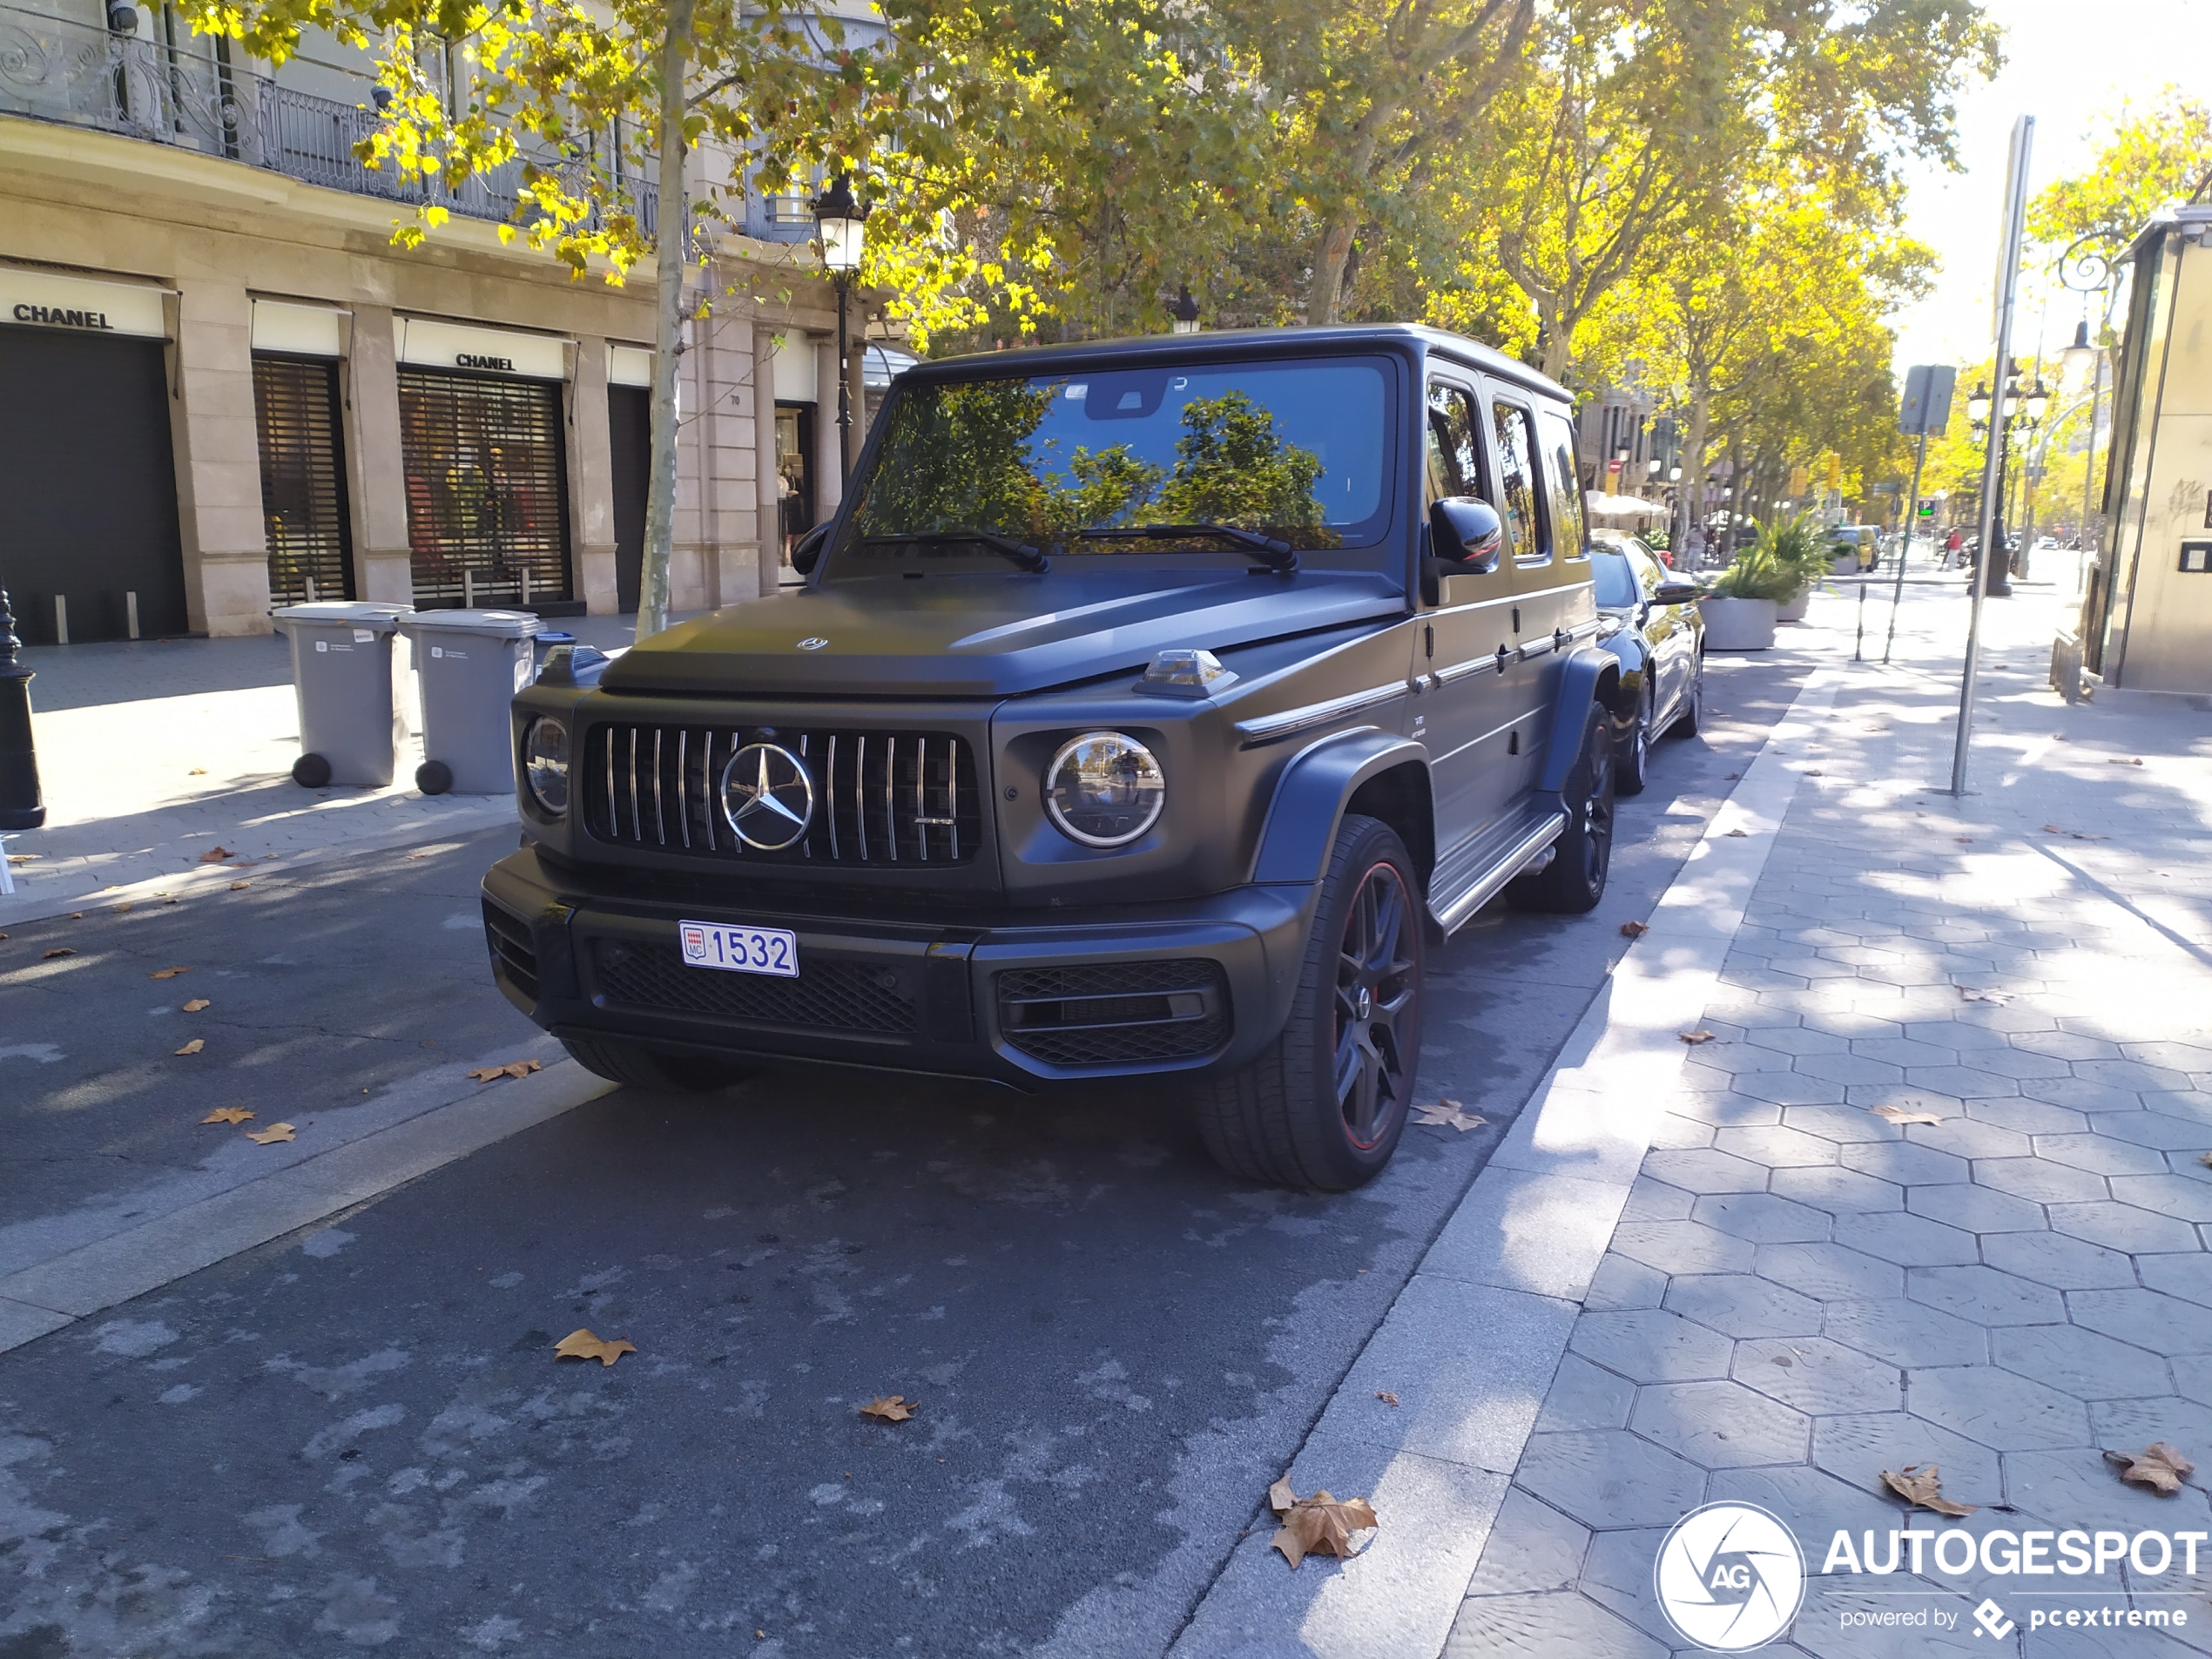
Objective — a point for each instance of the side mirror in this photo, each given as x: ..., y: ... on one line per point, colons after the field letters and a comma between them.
x: 808, y: 553
x: 1676, y: 593
x: 1466, y: 533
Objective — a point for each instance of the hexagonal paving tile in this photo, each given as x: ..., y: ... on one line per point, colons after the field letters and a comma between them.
x: 1620, y: 1282
x: 1985, y: 1295
x: 2130, y: 1074
x: 1706, y: 1171
x: 2174, y: 1057
x: 2025, y: 1117
x: 1970, y: 1137
x: 2086, y: 1364
x: 2170, y: 1194
x: 1788, y: 1087
x: 1831, y: 1272
x: 1743, y: 1304
x: 1977, y: 1208
x: 2065, y: 1045
x: 1901, y: 1332
x: 1762, y: 1218
x: 1506, y: 1627
x: 1648, y: 1345
x: 1531, y: 1546
x: 1651, y: 1200
x: 1681, y: 1247
x: 1720, y: 1425
x: 2040, y: 1180
x: 1617, y: 1576
x: 2122, y: 1226
x: 1857, y: 1446
x: 1674, y: 1132
x: 1583, y: 1395
x: 1997, y: 1409
x: 2058, y: 1260
x: 1776, y: 1148
x: 1723, y: 1109
x: 1836, y: 1190
x: 2150, y: 1320
x: 1908, y: 1240
x: 1794, y: 1040
x: 2098, y: 1154
x: 1960, y: 1082
x: 2188, y: 1275
x: 2078, y: 1489
x: 2136, y: 1423
x: 2020, y: 1065
x: 2080, y: 1095
x: 1609, y: 1478
x: 1849, y: 1069
x: 1905, y: 1051
x: 2153, y: 1130
x: 2195, y: 1104
x: 1899, y: 1160
x: 1836, y: 1124
x: 1815, y: 1374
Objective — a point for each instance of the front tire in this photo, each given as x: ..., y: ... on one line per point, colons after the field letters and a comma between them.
x: 1573, y: 881
x: 1632, y: 747
x: 1685, y: 723
x: 1325, y: 1104
x: 643, y: 1067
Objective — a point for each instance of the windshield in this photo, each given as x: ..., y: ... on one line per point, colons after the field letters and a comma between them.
x: 1615, y: 582
x: 1296, y: 451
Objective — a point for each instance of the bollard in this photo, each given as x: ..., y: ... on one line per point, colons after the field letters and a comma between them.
x: 468, y: 589
x: 130, y: 612
x: 61, y: 620
x: 1858, y: 644
x: 20, y: 805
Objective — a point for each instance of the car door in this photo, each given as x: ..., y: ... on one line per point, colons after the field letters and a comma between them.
x: 1662, y: 630
x: 1539, y: 595
x: 1465, y: 714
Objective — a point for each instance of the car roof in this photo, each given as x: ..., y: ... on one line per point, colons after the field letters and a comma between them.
x: 1401, y: 339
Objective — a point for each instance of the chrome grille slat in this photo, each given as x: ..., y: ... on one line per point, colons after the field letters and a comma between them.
x: 856, y: 778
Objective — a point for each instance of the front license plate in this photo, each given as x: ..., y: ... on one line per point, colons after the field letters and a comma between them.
x: 739, y: 950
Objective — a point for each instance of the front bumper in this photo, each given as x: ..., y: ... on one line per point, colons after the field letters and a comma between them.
x: 1017, y: 997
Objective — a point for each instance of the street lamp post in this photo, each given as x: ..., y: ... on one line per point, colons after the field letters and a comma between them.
x: 2085, y: 268
x: 2024, y: 410
x: 1184, y: 311
x: 841, y: 223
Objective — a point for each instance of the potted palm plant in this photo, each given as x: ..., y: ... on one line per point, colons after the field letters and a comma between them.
x: 1794, y: 545
x: 1743, y: 604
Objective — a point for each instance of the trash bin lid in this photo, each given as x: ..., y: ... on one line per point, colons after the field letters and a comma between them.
x: 485, y: 625
x: 338, y: 613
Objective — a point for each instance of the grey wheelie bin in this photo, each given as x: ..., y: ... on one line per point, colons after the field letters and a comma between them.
x: 469, y: 665
x: 341, y: 672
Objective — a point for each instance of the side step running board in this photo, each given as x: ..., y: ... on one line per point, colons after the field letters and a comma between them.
x: 1450, y: 913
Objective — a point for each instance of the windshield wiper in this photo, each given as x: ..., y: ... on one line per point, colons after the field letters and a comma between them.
x: 1276, y: 556
x: 1021, y: 553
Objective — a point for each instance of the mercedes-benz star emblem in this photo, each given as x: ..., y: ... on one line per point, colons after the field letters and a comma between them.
x: 767, y: 796
x: 812, y: 642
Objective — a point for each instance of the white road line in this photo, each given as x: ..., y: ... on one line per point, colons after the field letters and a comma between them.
x: 1471, y: 1344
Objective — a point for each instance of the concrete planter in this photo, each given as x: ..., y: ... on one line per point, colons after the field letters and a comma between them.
x: 1794, y: 610
x: 1738, y: 624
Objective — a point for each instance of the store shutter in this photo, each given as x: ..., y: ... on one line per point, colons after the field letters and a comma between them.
x: 303, y: 488
x: 486, y: 496
x: 630, y: 434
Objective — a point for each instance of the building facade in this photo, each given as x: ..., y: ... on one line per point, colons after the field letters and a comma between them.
x: 223, y: 388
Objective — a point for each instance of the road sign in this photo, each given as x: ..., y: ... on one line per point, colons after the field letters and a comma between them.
x: 1928, y: 400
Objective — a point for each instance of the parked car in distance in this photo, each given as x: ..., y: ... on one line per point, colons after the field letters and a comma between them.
x: 1149, y: 709
x: 1647, y: 617
x: 1854, y: 547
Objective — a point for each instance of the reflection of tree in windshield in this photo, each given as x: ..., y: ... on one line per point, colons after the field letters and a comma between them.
x: 964, y: 457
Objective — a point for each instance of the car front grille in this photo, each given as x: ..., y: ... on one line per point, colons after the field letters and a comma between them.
x: 1114, y: 1013
x: 827, y: 996
x: 881, y: 798
x: 512, y: 950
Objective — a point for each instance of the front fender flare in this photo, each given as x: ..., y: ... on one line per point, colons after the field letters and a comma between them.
x: 1301, y: 826
x: 1590, y: 674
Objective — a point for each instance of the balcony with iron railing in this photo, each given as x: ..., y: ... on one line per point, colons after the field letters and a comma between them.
x: 54, y: 69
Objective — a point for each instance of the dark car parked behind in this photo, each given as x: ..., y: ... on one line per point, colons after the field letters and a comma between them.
x: 1648, y: 619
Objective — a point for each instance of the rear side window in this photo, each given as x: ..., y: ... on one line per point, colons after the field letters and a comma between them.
x: 1564, y: 481
x: 1516, y: 441
x: 1454, y: 465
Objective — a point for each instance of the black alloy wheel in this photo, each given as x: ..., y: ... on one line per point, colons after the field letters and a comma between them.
x: 1574, y: 879
x: 1376, y: 969
x: 1323, y: 1106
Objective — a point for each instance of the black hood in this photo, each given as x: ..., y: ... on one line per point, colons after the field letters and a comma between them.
x: 987, y: 633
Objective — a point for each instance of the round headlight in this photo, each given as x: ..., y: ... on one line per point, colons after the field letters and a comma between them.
x: 545, y: 764
x: 1104, y: 789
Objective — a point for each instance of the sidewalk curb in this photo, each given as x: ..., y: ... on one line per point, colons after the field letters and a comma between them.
x: 44, y: 1296
x: 1470, y: 1346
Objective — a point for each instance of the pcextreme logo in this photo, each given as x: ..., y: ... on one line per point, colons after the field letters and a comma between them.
x: 1730, y: 1577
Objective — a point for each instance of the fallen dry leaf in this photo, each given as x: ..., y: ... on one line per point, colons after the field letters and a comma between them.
x: 21, y: 858
x: 1386, y: 1398
x: 268, y: 1136
x: 1738, y: 834
x: 237, y: 887
x: 1318, y: 1525
x: 197, y: 772
x: 1813, y: 773
x: 1969, y: 993
x: 195, y: 1005
x: 2053, y: 829
x: 1921, y: 1489
x: 2205, y: 1159
x: 76, y: 916
x: 1448, y: 1114
x: 194, y: 1046
x: 1635, y: 929
x: 1784, y: 1361
x: 215, y: 855
x: 491, y: 1074
x: 1695, y: 1037
x: 123, y: 909
x: 227, y: 1115
x: 167, y: 973
x: 1964, y: 841
x: 2160, y: 1468
x: 58, y: 950
x: 890, y: 1408
x: 2115, y: 760
x: 582, y: 1345
x: 1899, y: 1117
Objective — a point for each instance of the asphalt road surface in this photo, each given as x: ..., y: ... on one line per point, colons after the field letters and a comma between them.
x: 357, y: 1437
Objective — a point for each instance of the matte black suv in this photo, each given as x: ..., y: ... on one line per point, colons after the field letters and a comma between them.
x: 1149, y: 709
